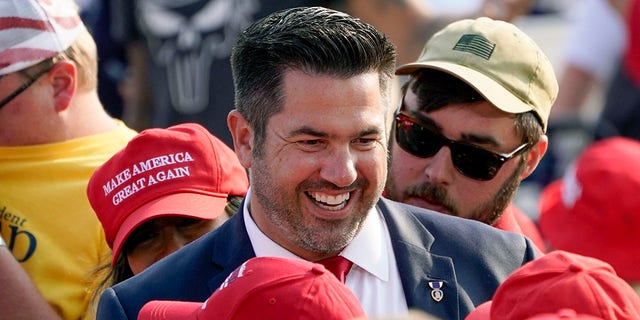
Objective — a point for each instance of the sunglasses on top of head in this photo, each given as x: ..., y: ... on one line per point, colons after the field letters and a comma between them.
x: 470, y: 160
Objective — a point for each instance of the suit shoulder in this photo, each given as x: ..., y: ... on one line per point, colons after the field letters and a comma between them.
x: 455, y: 230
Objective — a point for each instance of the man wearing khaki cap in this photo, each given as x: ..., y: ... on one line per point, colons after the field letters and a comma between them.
x: 483, y: 89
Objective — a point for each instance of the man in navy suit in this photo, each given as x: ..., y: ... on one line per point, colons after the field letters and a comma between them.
x: 313, y: 91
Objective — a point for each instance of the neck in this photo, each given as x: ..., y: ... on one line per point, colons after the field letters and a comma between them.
x: 85, y: 117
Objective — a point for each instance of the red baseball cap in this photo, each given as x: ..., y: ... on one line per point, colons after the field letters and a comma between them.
x: 562, y: 280
x: 267, y: 288
x: 180, y: 171
x: 594, y: 209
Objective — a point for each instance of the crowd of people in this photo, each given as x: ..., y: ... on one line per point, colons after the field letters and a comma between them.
x: 351, y: 167
x: 54, y: 133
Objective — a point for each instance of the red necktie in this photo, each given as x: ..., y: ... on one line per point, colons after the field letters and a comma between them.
x: 338, y: 265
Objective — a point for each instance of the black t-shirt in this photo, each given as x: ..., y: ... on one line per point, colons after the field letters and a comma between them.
x: 189, y: 44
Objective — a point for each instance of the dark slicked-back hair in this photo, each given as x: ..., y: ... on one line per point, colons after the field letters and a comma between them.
x: 313, y: 40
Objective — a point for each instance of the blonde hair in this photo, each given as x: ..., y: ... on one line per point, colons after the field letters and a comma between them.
x: 84, y: 54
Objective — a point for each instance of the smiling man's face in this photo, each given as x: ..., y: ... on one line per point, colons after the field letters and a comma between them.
x: 324, y: 163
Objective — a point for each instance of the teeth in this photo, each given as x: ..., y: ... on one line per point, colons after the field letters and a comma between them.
x: 329, y: 199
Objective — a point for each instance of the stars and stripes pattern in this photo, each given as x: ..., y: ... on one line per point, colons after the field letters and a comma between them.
x: 34, y: 30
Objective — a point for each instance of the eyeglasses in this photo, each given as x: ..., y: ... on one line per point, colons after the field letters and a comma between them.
x: 470, y: 160
x: 31, y: 80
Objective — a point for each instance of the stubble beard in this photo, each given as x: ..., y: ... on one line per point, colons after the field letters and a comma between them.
x: 284, y: 212
x: 488, y: 212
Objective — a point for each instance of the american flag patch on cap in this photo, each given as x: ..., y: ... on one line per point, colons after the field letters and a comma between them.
x: 34, y: 30
x: 475, y: 44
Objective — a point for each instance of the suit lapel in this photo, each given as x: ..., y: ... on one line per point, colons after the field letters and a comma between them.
x: 231, y: 248
x: 428, y: 279
x: 411, y: 243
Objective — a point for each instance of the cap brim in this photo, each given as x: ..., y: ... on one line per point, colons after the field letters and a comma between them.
x: 191, y: 205
x: 494, y: 92
x: 169, y: 310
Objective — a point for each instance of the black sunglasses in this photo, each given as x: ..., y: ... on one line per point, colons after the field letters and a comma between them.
x: 31, y: 80
x: 470, y: 160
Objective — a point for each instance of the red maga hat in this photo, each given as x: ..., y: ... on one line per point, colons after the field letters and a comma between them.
x: 267, y: 288
x: 180, y: 171
x: 594, y: 210
x: 562, y: 280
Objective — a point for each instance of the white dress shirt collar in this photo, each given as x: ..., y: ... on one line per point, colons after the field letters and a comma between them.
x: 367, y: 250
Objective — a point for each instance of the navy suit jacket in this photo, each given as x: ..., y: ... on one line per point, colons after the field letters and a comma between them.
x: 469, y: 257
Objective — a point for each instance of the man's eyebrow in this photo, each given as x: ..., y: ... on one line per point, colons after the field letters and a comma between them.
x: 372, y: 130
x: 426, y: 121
x: 480, y: 139
x: 306, y: 130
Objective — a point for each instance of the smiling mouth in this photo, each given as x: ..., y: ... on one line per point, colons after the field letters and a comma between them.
x: 329, y: 202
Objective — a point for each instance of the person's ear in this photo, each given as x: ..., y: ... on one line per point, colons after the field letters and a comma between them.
x: 242, y: 137
x: 535, y: 154
x: 63, y: 78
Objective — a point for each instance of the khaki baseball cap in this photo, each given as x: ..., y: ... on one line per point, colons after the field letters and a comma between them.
x: 497, y: 59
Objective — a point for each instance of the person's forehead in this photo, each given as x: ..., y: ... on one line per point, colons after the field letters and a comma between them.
x: 482, y: 109
x: 303, y: 92
x: 298, y: 81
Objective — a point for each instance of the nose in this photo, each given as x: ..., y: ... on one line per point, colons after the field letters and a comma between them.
x: 439, y: 168
x: 339, y: 167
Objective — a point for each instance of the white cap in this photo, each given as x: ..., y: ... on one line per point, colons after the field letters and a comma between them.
x: 34, y: 30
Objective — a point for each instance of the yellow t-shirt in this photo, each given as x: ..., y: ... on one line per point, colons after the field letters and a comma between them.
x: 46, y: 219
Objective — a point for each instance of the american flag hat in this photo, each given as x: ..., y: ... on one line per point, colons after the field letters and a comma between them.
x: 498, y: 60
x: 34, y: 30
